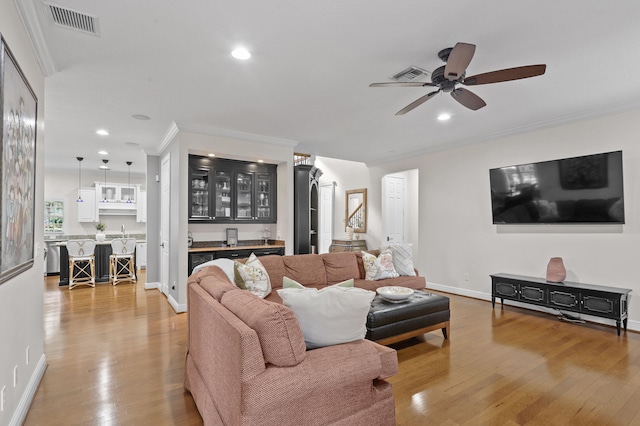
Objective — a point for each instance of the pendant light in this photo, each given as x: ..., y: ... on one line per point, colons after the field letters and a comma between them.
x: 129, y: 163
x: 79, y: 200
x: 105, y: 181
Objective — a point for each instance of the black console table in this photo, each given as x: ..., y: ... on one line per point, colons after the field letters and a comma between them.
x: 596, y: 300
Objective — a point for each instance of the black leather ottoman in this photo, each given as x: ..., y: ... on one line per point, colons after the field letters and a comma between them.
x: 390, y: 322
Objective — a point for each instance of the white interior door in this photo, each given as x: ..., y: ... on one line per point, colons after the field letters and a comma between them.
x: 393, y: 188
x: 165, y: 202
x: 327, y: 195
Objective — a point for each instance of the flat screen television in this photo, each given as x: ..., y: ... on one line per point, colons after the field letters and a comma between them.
x: 586, y: 189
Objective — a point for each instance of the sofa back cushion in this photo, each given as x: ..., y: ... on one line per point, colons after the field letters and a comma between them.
x: 340, y: 266
x: 214, y: 281
x: 275, y: 268
x: 307, y: 269
x: 278, y: 329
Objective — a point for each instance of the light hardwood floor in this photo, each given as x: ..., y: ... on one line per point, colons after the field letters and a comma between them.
x: 116, y: 354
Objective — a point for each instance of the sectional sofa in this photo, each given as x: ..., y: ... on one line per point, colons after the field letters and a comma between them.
x: 247, y: 363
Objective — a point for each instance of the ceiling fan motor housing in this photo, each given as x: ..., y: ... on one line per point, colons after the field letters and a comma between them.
x: 438, y: 78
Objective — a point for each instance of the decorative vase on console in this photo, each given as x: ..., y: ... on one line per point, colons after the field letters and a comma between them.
x: 100, y: 235
x: 556, y: 272
x: 349, y: 233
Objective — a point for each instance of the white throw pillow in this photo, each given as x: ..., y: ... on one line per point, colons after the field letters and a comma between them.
x: 402, y: 258
x: 379, y: 268
x: 225, y: 264
x: 289, y: 283
x: 252, y: 276
x: 330, y: 316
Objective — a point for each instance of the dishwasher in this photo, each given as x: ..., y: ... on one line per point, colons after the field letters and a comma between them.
x: 53, y: 257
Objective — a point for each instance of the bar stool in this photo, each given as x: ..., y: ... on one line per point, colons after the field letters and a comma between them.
x: 82, y: 268
x: 121, y: 261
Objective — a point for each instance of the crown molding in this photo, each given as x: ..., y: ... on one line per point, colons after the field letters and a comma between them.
x: 28, y: 15
x: 176, y: 127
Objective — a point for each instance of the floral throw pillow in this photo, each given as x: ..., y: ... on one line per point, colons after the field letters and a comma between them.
x: 379, y: 268
x: 252, y: 276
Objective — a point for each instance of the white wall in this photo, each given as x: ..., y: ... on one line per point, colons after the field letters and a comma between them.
x: 21, y: 298
x: 348, y: 175
x: 64, y: 186
x: 456, y: 231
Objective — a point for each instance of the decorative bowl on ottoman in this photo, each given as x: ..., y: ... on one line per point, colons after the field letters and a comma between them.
x: 394, y: 292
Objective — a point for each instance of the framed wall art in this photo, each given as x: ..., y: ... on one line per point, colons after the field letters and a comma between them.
x: 18, y: 108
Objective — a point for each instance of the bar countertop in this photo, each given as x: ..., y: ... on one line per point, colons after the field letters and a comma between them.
x: 204, y: 246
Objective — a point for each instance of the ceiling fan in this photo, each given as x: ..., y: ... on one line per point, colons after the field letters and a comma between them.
x: 448, y: 76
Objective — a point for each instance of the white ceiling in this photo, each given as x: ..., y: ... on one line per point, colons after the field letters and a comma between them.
x: 312, y: 62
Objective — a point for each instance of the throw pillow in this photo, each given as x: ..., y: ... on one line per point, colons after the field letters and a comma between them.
x: 330, y: 316
x: 402, y: 254
x: 252, y: 276
x: 379, y: 268
x: 226, y: 265
x: 289, y: 283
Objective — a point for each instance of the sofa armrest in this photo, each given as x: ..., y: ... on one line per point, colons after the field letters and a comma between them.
x: 343, y: 374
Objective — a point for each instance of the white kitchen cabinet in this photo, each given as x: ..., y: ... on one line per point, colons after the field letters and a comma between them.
x: 141, y: 255
x: 87, y: 210
x: 141, y: 204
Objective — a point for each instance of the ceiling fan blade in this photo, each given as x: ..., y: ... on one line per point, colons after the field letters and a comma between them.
x: 417, y: 103
x: 403, y: 84
x: 468, y: 99
x: 459, y: 60
x: 505, y: 75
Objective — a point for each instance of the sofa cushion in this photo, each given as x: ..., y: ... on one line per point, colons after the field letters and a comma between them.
x: 214, y: 281
x: 331, y: 315
x: 277, y: 328
x: 402, y: 254
x: 379, y: 268
x: 225, y: 264
x: 340, y: 266
x: 274, y: 265
x: 305, y: 268
x: 253, y: 276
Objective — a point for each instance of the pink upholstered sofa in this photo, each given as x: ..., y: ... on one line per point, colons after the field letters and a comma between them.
x: 247, y: 362
x: 321, y: 270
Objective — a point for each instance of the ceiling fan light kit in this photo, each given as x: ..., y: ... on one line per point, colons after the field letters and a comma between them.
x: 448, y: 76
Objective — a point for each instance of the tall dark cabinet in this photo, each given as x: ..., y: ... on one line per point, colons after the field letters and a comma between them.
x: 306, y: 203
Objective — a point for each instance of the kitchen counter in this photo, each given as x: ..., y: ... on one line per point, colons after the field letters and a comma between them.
x: 239, y: 247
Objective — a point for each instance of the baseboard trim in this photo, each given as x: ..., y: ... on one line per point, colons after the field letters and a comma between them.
x: 151, y: 286
x: 631, y: 325
x: 20, y: 415
x: 179, y: 308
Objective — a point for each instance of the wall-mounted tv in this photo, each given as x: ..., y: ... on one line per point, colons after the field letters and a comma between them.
x: 586, y: 189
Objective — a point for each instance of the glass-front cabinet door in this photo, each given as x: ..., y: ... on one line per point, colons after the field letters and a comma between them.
x: 127, y: 194
x: 199, y: 202
x: 263, y: 191
x: 223, y: 195
x: 244, y: 196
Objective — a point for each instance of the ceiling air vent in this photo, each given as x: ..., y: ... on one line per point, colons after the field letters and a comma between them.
x: 410, y: 74
x: 72, y: 19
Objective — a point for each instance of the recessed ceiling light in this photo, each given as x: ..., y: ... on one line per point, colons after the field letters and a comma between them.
x: 103, y: 152
x: 102, y: 132
x: 241, y: 53
x: 211, y: 155
x: 444, y: 117
x: 260, y: 161
x: 103, y: 167
x: 141, y: 117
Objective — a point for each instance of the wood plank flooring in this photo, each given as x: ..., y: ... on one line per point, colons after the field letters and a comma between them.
x: 116, y: 355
